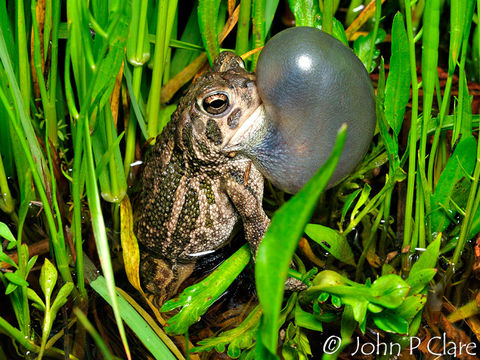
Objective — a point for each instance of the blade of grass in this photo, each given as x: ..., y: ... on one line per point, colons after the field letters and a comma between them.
x: 164, y: 20
x: 118, y: 19
x: 94, y: 334
x: 22, y: 53
x: 138, y: 325
x: 22, y: 109
x: 258, y: 27
x: 99, y: 231
x: 38, y: 175
x: 270, y: 10
x: 277, y: 248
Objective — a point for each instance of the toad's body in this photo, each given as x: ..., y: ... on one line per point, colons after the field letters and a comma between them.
x: 194, y: 191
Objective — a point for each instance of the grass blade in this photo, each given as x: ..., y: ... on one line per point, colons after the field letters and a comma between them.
x: 397, y: 87
x: 276, y: 249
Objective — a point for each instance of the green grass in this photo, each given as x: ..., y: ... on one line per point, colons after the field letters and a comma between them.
x: 85, y: 85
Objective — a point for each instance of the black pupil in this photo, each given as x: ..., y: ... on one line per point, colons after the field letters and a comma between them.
x: 215, y: 104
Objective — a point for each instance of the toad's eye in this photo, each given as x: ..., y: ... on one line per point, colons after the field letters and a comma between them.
x: 215, y: 103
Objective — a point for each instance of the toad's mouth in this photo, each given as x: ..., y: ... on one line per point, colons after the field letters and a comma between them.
x: 248, y: 131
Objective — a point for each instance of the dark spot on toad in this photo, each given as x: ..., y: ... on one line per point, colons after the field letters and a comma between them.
x: 213, y: 132
x: 234, y: 118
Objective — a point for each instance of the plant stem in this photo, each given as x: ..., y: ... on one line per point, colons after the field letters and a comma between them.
x: 327, y: 20
x: 153, y: 106
x: 413, y: 130
x: 7, y: 203
x: 243, y: 28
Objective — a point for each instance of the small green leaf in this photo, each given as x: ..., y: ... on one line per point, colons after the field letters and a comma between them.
x: 348, y: 203
x: 332, y: 241
x: 33, y: 296
x: 361, y: 201
x: 307, y: 320
x: 31, y: 262
x: 11, y: 287
x: 7, y: 259
x: 48, y: 279
x: 61, y: 297
x: 6, y: 233
x: 16, y: 279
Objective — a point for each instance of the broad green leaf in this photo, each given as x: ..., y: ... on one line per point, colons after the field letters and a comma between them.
x: 389, y: 322
x: 305, y: 12
x: 426, y: 261
x: 207, y: 22
x: 460, y: 165
x: 397, y: 90
x: 270, y: 9
x: 332, y: 241
x: 191, y: 35
x: 410, y: 307
x: 361, y: 47
x: 419, y: 280
x: 196, y: 299
x: 389, y: 291
x: 276, y: 249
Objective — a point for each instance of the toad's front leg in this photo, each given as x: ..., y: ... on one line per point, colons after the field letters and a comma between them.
x: 247, y: 199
